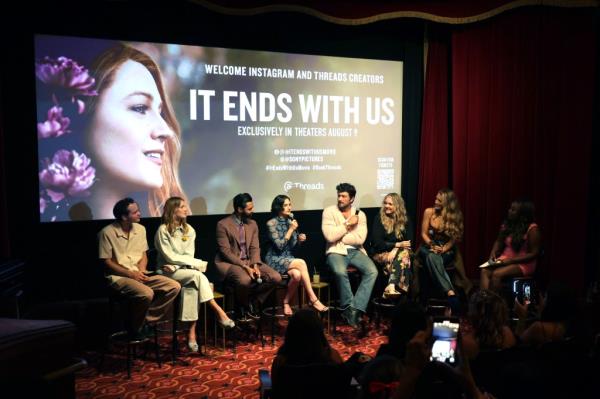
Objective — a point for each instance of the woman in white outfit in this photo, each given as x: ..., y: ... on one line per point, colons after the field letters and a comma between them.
x: 174, y: 241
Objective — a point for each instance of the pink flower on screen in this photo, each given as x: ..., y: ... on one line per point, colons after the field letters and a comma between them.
x: 66, y: 75
x: 55, y: 126
x: 68, y: 174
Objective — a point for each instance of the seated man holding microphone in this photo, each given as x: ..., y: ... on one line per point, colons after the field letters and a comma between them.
x: 345, y: 230
x: 238, y: 258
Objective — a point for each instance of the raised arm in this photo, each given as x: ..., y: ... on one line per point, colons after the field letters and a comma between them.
x: 357, y: 234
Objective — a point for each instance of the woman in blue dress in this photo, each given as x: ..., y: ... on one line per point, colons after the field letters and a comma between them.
x: 283, y: 237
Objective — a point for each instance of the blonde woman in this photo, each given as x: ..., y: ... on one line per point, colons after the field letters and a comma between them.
x: 174, y: 241
x: 441, y: 228
x: 390, y: 243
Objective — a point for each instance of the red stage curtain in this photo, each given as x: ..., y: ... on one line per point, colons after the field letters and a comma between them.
x: 434, y: 173
x: 522, y: 91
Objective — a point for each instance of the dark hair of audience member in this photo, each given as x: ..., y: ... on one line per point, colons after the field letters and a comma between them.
x: 488, y: 315
x: 560, y: 304
x: 407, y: 319
x: 304, y: 341
x: 380, y: 377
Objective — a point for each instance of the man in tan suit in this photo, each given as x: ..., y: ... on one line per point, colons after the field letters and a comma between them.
x: 238, y: 257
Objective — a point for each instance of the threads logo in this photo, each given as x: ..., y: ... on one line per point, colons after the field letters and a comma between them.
x: 288, y: 185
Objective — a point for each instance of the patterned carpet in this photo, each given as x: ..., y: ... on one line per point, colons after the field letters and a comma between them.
x: 214, y: 374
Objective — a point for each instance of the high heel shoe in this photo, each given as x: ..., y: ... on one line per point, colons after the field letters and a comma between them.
x: 226, y: 324
x: 390, y: 292
x: 287, y: 310
x: 315, y: 305
x: 193, y: 346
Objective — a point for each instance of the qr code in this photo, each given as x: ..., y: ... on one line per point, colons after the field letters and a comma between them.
x: 385, y: 179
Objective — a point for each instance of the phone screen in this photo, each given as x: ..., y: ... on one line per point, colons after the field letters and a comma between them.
x: 522, y: 291
x: 527, y: 292
x: 445, y: 335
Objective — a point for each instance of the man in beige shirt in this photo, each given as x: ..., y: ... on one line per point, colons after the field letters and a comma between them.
x: 122, y: 247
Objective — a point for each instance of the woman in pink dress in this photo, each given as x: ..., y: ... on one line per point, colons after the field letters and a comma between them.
x: 517, y: 247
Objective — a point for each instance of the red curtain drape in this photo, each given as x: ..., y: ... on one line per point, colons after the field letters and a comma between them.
x: 434, y: 173
x: 521, y: 90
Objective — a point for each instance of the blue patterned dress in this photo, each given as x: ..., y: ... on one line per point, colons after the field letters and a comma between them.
x: 279, y: 254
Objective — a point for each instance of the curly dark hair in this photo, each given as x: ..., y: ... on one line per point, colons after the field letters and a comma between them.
x: 347, y: 188
x: 516, y: 227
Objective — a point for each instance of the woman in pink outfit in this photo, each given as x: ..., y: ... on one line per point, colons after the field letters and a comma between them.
x: 517, y: 247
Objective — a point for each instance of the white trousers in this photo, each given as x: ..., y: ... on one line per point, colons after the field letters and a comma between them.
x: 195, y: 289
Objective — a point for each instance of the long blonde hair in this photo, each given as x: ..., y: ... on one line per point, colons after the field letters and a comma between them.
x: 452, y: 217
x: 104, y: 70
x: 397, y: 222
x: 168, y: 216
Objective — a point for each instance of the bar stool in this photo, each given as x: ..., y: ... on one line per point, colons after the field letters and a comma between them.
x: 272, y: 311
x: 175, y: 330
x: 229, y: 292
x: 121, y: 336
x: 218, y: 297
x: 321, y: 285
x: 383, y: 305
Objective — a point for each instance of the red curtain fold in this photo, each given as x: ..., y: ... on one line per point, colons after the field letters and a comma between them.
x: 522, y: 92
x: 434, y: 174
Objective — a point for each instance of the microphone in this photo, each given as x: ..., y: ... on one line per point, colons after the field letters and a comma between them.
x: 259, y: 280
x: 291, y: 216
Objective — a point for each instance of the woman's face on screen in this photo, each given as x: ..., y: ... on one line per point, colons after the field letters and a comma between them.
x: 128, y: 133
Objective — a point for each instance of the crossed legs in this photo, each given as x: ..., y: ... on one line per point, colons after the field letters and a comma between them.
x: 492, y: 278
x: 298, y: 272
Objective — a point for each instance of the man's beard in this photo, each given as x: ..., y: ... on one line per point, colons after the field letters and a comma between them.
x: 246, y: 217
x: 344, y: 208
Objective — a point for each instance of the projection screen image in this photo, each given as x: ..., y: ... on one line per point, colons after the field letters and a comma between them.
x: 153, y: 120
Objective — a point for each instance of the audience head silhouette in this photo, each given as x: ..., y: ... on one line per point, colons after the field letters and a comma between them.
x: 305, y: 341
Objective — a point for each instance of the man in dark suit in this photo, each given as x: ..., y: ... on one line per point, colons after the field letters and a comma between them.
x: 238, y: 257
